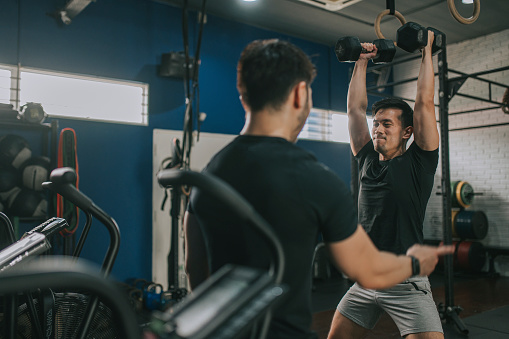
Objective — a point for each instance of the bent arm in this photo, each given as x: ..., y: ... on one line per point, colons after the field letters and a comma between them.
x: 425, y: 125
x: 361, y: 261
x: 196, y: 264
x: 357, y: 102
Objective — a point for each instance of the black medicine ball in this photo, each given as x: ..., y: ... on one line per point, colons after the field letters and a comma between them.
x: 14, y: 150
x: 35, y: 171
x: 9, y: 178
x: 27, y: 203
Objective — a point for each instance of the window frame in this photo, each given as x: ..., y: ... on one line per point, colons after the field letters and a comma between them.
x: 16, y: 88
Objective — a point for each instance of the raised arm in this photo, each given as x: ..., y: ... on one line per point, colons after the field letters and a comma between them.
x: 425, y: 125
x: 361, y: 261
x: 357, y: 101
x: 196, y: 264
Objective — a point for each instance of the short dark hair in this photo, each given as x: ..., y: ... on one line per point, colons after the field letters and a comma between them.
x: 407, y: 115
x: 268, y: 70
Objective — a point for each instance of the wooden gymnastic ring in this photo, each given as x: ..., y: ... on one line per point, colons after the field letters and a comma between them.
x: 456, y: 15
x: 383, y: 13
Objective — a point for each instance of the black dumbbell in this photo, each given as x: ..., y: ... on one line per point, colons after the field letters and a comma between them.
x: 438, y: 41
x: 348, y: 49
x: 412, y: 36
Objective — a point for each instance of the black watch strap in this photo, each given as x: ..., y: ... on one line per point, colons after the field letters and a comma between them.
x: 416, y: 267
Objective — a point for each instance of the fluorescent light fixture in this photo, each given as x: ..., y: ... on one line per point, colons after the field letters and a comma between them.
x: 467, y: 2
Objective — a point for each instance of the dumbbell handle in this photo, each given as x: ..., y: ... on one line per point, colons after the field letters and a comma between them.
x: 365, y: 51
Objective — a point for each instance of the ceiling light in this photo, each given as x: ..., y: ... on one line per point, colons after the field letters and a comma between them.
x: 468, y: 2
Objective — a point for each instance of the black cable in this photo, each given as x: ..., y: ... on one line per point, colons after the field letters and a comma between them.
x: 196, y: 86
x: 8, y: 226
x: 198, y: 46
x: 187, y: 128
x: 190, y: 96
x: 18, y: 48
x: 185, y: 36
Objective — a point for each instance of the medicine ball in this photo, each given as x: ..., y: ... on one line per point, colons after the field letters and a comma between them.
x: 9, y: 178
x: 14, y: 150
x: 27, y: 203
x: 35, y: 171
x: 5, y: 197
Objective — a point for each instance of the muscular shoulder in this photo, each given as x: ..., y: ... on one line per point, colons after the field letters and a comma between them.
x: 427, y: 160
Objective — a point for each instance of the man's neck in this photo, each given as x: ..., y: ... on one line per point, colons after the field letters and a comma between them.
x: 391, y: 155
x: 268, y: 124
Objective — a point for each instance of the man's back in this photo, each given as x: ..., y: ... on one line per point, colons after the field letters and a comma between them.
x: 297, y: 196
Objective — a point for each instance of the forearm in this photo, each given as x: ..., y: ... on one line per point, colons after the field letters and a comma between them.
x: 359, y: 259
x: 357, y: 100
x: 426, y: 82
x: 386, y: 270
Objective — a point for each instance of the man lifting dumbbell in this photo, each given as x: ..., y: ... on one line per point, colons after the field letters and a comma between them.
x: 395, y: 185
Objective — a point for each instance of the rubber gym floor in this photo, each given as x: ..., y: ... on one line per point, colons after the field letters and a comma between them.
x: 484, y: 301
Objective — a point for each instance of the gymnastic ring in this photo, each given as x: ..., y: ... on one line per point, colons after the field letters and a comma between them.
x: 459, y: 18
x: 383, y: 13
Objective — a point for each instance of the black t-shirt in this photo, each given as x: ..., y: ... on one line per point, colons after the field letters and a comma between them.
x: 298, y: 196
x: 393, y: 195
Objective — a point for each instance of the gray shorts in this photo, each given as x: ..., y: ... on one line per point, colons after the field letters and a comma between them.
x: 410, y: 304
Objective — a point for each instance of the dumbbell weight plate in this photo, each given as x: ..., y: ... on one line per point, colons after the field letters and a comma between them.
x: 472, y: 225
x: 348, y: 49
x: 385, y: 51
x: 471, y: 256
x: 438, y: 41
x: 462, y: 194
x: 411, y: 36
x: 454, y: 213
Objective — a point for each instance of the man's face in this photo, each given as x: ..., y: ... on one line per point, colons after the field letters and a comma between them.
x: 388, y: 133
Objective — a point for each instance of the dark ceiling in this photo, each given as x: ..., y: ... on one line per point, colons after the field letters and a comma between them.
x: 313, y: 22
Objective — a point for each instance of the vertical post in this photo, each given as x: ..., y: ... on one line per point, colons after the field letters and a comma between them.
x: 444, y: 97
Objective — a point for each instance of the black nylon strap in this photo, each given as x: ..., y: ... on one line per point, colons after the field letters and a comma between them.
x: 391, y: 6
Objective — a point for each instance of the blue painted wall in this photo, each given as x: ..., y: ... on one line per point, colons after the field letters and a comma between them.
x: 124, y: 39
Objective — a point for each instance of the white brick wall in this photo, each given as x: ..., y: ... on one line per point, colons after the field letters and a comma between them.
x: 479, y: 156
